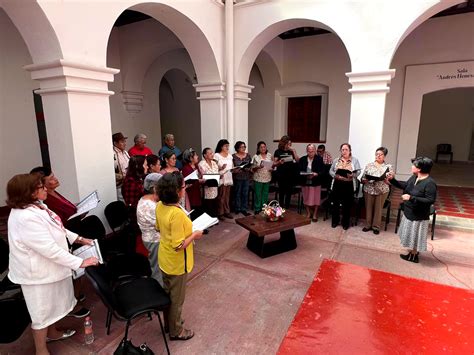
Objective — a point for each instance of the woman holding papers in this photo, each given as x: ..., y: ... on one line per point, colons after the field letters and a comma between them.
x: 287, y: 170
x: 55, y: 201
x: 154, y: 164
x: 419, y: 193
x: 262, y: 175
x: 194, y: 181
x: 175, y: 254
x: 225, y: 163
x: 208, y: 166
x: 170, y: 163
x: 376, y: 189
x: 132, y: 188
x: 241, y: 175
x: 146, y: 219
x: 311, y: 169
x: 39, y: 258
x: 344, y: 170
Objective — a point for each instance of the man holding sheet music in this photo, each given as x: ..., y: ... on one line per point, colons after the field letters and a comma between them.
x: 376, y: 189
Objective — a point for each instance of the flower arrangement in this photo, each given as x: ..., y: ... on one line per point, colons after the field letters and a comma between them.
x: 273, y: 211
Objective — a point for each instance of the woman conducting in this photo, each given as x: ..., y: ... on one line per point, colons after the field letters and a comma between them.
x: 39, y: 258
x: 376, y: 190
x: 419, y: 193
x: 175, y: 254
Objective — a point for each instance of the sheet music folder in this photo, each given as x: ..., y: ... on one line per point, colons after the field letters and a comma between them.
x: 84, y: 252
x: 377, y: 178
x: 344, y: 172
x: 88, y: 203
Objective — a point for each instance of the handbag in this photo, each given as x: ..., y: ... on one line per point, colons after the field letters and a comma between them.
x: 126, y: 347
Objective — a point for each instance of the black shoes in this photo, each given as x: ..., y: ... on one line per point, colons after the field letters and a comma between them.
x: 345, y: 227
x: 410, y: 257
x: 366, y: 229
x: 334, y: 224
x: 81, y: 313
x: 376, y: 231
x: 245, y: 213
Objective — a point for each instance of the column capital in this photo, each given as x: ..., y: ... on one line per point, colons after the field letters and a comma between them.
x: 210, y: 91
x: 370, y: 82
x: 242, y: 91
x: 133, y: 101
x: 65, y: 76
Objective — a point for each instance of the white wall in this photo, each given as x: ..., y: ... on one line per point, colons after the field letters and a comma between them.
x: 179, y: 110
x: 19, y: 143
x: 128, y: 45
x: 320, y: 59
x: 438, y: 40
x: 447, y: 117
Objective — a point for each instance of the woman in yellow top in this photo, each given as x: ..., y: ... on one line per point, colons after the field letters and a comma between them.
x: 175, y: 254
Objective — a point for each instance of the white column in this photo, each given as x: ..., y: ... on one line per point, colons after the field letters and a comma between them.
x: 369, y: 91
x: 76, y: 106
x: 229, y: 65
x: 213, y: 121
x: 242, y: 92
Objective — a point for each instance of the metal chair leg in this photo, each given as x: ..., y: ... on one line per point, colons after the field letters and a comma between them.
x: 398, y: 219
x: 108, y: 321
x: 433, y: 224
x: 387, y: 217
x: 163, y: 333
x: 126, y: 329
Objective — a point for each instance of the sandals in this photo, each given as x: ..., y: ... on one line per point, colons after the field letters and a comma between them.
x: 66, y: 334
x: 186, y: 334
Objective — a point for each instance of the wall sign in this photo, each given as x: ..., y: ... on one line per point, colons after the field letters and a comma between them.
x: 461, y: 73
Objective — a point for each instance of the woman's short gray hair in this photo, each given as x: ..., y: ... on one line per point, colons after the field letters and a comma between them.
x: 140, y: 137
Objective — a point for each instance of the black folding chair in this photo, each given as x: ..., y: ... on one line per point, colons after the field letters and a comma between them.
x: 130, y: 299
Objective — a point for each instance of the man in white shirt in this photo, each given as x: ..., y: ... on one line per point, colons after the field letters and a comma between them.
x: 121, y: 159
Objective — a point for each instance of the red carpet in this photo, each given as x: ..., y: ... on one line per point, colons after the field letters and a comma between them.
x: 455, y: 201
x: 349, y: 309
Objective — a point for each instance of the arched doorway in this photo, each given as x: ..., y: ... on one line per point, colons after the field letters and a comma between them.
x: 145, y: 44
x: 179, y: 109
x: 305, y: 62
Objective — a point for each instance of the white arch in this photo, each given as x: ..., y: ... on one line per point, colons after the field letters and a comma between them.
x: 420, y: 80
x: 35, y: 29
x: 425, y: 14
x: 86, y: 41
x: 263, y: 38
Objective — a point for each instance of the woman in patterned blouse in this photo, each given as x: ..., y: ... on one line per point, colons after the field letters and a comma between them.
x: 375, y: 191
x: 261, y: 175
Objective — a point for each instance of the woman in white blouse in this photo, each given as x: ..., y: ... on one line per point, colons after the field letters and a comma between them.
x: 225, y: 163
x: 39, y: 258
x: 209, y: 166
x: 146, y: 219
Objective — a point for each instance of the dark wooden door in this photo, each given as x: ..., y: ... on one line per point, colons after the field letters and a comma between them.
x: 304, y: 118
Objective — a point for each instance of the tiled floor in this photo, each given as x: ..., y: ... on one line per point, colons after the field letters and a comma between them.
x: 238, y: 303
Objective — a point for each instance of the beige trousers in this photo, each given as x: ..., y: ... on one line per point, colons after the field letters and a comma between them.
x: 373, y: 209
